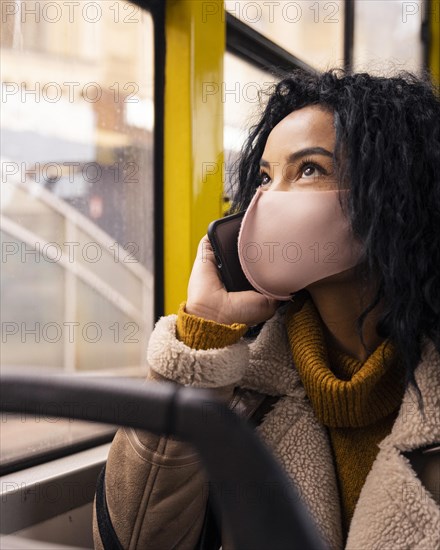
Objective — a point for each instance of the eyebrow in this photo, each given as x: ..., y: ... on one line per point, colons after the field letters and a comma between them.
x: 302, y: 153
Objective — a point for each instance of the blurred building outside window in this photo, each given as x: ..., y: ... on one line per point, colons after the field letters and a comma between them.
x: 77, y: 230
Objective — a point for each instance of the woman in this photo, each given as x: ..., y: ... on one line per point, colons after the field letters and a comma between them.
x: 353, y: 357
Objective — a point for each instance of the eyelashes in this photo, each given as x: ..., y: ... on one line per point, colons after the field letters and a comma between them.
x: 264, y: 178
x: 309, y: 162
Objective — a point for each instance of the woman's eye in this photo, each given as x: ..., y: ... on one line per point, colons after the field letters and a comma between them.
x: 264, y: 178
x: 309, y: 170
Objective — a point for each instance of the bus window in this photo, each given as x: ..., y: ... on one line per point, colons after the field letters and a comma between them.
x: 310, y: 30
x: 243, y: 92
x: 387, y: 36
x: 77, y: 198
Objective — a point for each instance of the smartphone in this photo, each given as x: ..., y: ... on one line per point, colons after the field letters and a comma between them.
x: 223, y: 236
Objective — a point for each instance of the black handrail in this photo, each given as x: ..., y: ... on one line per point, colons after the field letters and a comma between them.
x: 256, y: 500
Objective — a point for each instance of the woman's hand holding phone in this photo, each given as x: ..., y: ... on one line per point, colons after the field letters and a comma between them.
x: 208, y: 298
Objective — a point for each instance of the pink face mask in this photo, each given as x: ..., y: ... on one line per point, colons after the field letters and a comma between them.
x: 290, y: 239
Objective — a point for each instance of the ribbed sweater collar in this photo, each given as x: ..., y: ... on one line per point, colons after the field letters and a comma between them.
x: 343, y: 391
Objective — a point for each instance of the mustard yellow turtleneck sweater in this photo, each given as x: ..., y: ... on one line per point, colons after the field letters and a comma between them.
x: 357, y: 402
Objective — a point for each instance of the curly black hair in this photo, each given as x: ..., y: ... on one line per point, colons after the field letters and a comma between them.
x: 388, y: 152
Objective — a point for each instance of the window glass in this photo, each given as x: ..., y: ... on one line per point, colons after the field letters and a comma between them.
x: 313, y: 31
x: 393, y: 44
x: 244, y: 95
x: 77, y: 188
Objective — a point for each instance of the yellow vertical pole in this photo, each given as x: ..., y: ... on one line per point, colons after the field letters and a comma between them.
x: 434, y: 40
x: 193, y: 148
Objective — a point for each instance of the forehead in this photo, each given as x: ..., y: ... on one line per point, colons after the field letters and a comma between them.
x: 306, y: 127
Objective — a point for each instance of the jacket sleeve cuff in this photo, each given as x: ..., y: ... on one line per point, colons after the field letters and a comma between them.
x: 204, y: 368
x: 199, y: 333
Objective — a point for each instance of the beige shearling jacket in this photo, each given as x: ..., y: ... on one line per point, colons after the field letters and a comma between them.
x: 156, y: 486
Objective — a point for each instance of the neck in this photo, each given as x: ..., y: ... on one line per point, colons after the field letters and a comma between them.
x: 339, y: 305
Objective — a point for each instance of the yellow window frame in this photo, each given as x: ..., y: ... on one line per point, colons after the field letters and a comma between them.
x: 195, y: 34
